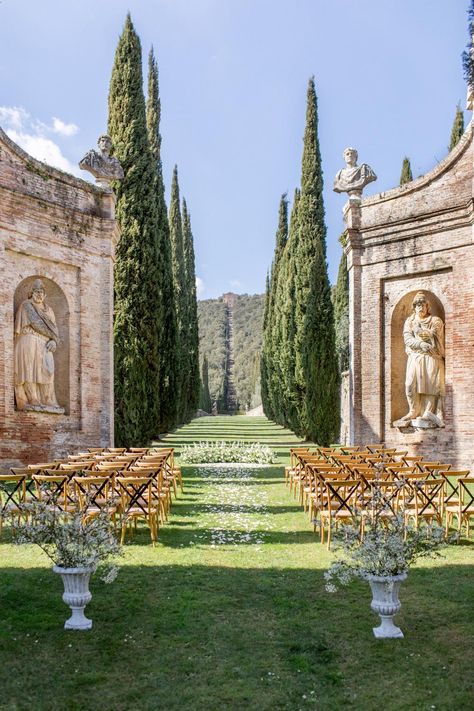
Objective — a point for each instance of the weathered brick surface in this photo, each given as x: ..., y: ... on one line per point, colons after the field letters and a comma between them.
x: 419, y: 236
x: 58, y: 227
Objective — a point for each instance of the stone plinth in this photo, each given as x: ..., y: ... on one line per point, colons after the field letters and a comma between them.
x: 418, y: 236
x: 62, y: 230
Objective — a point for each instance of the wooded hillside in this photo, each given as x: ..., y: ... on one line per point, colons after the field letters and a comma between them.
x: 247, y: 331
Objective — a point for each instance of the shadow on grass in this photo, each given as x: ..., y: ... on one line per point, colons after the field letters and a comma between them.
x: 207, y: 638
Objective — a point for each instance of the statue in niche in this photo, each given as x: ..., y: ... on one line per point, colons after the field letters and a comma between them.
x: 36, y: 339
x: 423, y: 335
x: 103, y: 166
x: 353, y: 178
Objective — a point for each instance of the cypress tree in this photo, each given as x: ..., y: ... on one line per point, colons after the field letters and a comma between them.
x: 265, y: 349
x: 406, y: 174
x: 205, y: 402
x: 316, y: 372
x: 271, y: 338
x: 289, y: 411
x: 457, y: 129
x: 179, y: 281
x: 341, y: 314
x: 192, y: 379
x: 137, y: 324
x: 167, y: 352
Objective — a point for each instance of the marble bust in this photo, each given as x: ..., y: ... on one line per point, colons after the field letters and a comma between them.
x: 103, y: 166
x: 423, y: 335
x: 36, y: 339
x: 353, y: 178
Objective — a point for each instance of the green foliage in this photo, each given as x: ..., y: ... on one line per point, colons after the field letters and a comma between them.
x: 341, y: 314
x: 316, y: 371
x: 248, y: 319
x: 215, y: 452
x: 191, y: 383
x: 212, y: 335
x: 457, y: 129
x: 468, y: 54
x: 205, y: 402
x: 168, y: 344
x: 181, y: 298
x: 406, y: 175
x: 138, y: 316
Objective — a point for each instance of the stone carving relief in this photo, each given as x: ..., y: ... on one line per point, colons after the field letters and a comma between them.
x: 353, y: 178
x: 423, y: 336
x: 103, y: 166
x: 36, y: 338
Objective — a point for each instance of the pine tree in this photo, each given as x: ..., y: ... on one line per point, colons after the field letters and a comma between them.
x: 205, y: 402
x: 167, y: 351
x: 179, y: 281
x: 192, y: 379
x: 457, y: 129
x: 316, y: 372
x: 341, y: 313
x: 137, y: 322
x: 406, y: 174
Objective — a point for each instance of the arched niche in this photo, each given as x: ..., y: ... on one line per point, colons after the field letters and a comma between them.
x: 402, y: 310
x: 56, y: 299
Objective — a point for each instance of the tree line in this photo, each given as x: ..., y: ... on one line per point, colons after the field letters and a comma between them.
x: 299, y: 370
x: 156, y: 356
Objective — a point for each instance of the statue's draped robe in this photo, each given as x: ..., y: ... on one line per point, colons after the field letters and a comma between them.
x: 354, y: 178
x: 425, y: 371
x: 34, y: 363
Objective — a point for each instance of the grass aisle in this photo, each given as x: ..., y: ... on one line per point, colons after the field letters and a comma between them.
x: 229, y: 611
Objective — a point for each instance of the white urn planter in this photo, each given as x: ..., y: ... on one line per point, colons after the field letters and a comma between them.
x: 76, y: 595
x: 385, y: 603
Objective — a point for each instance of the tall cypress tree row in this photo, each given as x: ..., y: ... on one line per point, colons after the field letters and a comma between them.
x: 137, y: 316
x: 316, y: 372
x: 289, y: 405
x: 271, y: 338
x: 265, y: 348
x: 192, y: 379
x: 205, y: 402
x: 179, y: 281
x: 406, y: 175
x: 457, y: 129
x: 341, y: 313
x: 167, y: 352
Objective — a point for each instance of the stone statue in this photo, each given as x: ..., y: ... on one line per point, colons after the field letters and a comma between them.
x: 101, y: 164
x: 353, y: 178
x: 36, y: 338
x: 423, y: 335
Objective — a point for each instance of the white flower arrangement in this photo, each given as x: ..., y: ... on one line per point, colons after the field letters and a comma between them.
x: 70, y: 540
x: 226, y: 452
x: 381, y: 545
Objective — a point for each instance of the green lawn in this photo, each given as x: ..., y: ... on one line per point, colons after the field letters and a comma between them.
x: 229, y: 611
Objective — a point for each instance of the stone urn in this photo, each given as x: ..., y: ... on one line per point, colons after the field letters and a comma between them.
x: 385, y: 603
x: 76, y: 595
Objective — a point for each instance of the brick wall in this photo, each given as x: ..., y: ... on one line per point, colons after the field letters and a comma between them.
x: 418, y: 236
x: 62, y: 229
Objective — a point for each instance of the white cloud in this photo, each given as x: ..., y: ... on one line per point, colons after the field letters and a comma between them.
x: 200, y: 287
x: 235, y: 284
x: 64, y: 129
x: 32, y: 135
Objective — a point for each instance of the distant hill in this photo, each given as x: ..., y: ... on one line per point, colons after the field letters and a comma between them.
x: 243, y: 365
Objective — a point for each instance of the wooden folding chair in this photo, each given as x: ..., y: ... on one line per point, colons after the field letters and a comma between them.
x: 138, y: 502
x: 463, y: 510
x: 340, y: 506
x: 427, y: 501
x: 13, y: 496
x: 54, y: 490
x: 95, y: 494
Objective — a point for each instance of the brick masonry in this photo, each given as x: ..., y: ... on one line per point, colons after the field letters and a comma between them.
x: 418, y: 236
x: 61, y: 229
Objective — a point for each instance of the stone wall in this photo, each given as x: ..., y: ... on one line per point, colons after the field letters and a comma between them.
x: 418, y: 236
x: 60, y: 229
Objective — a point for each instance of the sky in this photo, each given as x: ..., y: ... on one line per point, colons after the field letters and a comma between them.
x: 233, y: 80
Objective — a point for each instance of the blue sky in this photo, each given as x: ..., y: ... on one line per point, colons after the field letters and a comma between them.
x: 233, y: 78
